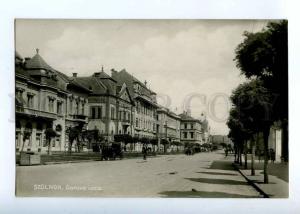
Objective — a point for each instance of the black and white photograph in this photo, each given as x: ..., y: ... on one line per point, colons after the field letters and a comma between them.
x: 137, y: 106
x: 151, y: 108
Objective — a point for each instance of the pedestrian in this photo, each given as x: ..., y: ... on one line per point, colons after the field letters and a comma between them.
x: 226, y: 152
x: 144, y: 151
x: 272, y: 155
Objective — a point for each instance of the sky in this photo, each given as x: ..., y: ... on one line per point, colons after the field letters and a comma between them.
x: 188, y: 63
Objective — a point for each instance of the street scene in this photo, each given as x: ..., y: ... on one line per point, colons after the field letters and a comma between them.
x: 151, y: 108
x: 201, y: 175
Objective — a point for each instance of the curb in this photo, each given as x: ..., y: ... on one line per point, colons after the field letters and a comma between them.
x: 64, y: 162
x: 256, y: 187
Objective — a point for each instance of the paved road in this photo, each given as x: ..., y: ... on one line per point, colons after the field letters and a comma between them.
x: 200, y: 175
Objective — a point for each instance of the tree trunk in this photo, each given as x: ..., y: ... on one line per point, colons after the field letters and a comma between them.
x: 70, y: 146
x: 49, y: 147
x: 245, y: 154
x: 266, y: 154
x: 253, y: 144
x: 240, y: 154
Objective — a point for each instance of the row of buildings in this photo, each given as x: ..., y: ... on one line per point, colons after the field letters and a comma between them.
x: 113, y: 104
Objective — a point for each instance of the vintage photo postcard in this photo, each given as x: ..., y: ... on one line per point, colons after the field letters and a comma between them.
x: 151, y: 108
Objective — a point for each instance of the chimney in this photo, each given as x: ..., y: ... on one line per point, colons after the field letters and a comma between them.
x: 74, y: 74
x: 113, y: 72
x: 145, y: 83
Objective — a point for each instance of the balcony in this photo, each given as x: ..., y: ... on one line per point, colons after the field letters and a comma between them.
x: 79, y: 117
x: 35, y: 113
x: 125, y: 121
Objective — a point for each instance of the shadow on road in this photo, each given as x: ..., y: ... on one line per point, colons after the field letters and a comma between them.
x: 217, y: 181
x: 222, y: 165
x: 201, y: 194
x: 218, y: 173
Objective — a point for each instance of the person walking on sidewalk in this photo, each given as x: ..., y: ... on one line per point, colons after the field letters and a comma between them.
x: 272, y: 155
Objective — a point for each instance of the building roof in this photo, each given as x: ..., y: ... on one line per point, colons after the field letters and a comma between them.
x: 37, y: 62
x: 186, y: 117
x: 124, y: 77
x: 34, y: 65
x: 18, y: 56
x: 92, y: 83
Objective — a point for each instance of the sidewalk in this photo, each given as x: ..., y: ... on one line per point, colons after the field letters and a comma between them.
x: 278, y: 186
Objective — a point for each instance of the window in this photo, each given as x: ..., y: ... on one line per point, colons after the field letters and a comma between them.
x: 112, y: 112
x: 71, y: 106
x: 82, y: 109
x: 96, y: 112
x: 99, y: 112
x: 185, y: 126
x: 136, y: 122
x: 192, y: 126
x: 77, y: 108
x: 93, y: 112
x: 192, y: 135
x: 30, y: 100
x: 59, y: 107
x: 185, y: 134
x: 19, y: 92
x: 51, y: 105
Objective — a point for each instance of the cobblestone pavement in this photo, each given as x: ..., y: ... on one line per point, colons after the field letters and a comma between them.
x: 200, y: 175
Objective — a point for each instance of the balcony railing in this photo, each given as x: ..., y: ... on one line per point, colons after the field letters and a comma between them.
x: 79, y: 117
x: 35, y: 113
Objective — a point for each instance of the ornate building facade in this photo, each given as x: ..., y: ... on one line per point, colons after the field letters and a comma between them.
x: 145, y: 111
x: 111, y: 108
x: 117, y: 104
x: 45, y: 98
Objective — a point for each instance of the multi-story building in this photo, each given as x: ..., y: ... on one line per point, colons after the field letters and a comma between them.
x: 111, y: 108
x: 145, y: 111
x: 190, y: 129
x: 116, y: 104
x: 45, y: 98
x: 168, y: 125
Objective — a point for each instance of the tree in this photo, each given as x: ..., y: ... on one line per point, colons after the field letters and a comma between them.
x: 50, y: 134
x: 237, y: 134
x: 74, y: 134
x: 253, y: 113
x: 264, y: 55
x: 93, y: 136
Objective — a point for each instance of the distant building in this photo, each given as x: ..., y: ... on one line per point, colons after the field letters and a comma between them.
x: 218, y: 139
x: 191, y: 129
x: 168, y: 125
